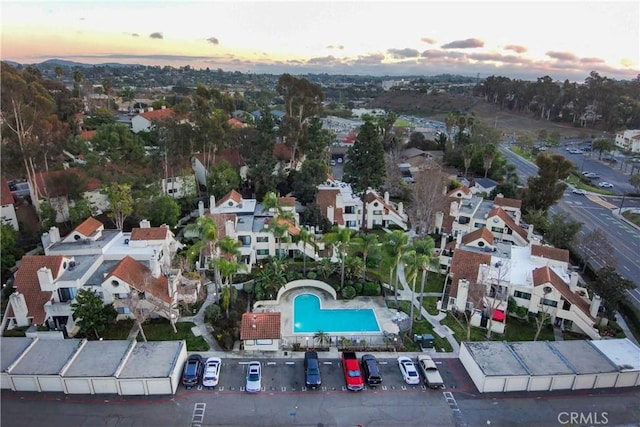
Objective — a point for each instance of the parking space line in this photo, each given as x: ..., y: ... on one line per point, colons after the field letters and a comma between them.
x: 273, y: 363
x: 198, y: 414
x: 327, y: 363
x: 287, y: 363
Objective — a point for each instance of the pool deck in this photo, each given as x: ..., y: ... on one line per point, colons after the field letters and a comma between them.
x: 383, y: 315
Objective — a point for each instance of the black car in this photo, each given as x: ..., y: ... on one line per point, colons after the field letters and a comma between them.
x: 370, y: 370
x: 192, y: 372
x: 312, y: 370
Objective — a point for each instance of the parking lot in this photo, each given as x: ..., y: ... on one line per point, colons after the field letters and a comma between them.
x: 286, y: 375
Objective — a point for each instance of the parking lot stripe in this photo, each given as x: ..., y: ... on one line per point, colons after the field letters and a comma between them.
x: 198, y: 414
x: 287, y: 363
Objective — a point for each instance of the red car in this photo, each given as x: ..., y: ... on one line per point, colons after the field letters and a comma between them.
x: 351, y: 369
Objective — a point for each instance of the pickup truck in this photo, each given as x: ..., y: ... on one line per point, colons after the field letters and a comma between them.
x: 351, y: 369
x: 430, y: 372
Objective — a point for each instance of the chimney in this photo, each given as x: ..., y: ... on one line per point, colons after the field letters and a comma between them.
x: 201, y: 208
x: 20, y: 310
x: 386, y: 197
x: 400, y: 208
x: 145, y: 224
x: 573, y: 281
x: 45, y: 279
x: 458, y: 239
x: 154, y: 266
x: 212, y: 203
x: 463, y: 293
x: 54, y: 234
x: 594, y: 306
x: 150, y: 109
x: 164, y: 107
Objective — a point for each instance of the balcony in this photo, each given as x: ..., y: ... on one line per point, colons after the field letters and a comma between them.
x: 58, y: 309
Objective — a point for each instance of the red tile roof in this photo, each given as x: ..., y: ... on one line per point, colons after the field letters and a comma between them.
x: 50, y: 179
x: 231, y: 195
x: 326, y: 197
x: 7, y: 197
x: 220, y: 220
x: 292, y: 229
x: 545, y: 251
x: 139, y: 277
x: 465, y: 265
x: 545, y: 275
x: 371, y: 197
x: 281, y: 151
x: 88, y: 135
x: 260, y: 326
x: 287, y: 201
x: 235, y: 123
x: 151, y: 233
x: 480, y: 233
x: 231, y: 156
x: 157, y: 114
x: 462, y: 189
x: 89, y: 226
x: 27, y: 283
x: 511, y: 203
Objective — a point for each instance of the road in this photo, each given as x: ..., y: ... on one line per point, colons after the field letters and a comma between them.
x: 284, y: 402
x: 593, y: 215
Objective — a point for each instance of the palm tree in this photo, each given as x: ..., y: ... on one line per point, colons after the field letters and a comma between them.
x: 395, y: 244
x: 339, y: 238
x: 280, y: 232
x: 128, y: 95
x: 489, y: 153
x: 230, y: 246
x: 368, y: 244
x: 424, y: 247
x: 228, y: 297
x: 322, y: 338
x: 207, y: 232
x: 413, y: 262
x: 326, y: 267
x: 354, y: 267
x: 468, y: 152
x: 306, y: 238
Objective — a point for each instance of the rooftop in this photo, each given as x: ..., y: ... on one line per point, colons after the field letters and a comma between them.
x: 532, y: 352
x: 99, y: 359
x: 46, y: 357
x: 623, y: 352
x: 11, y: 349
x: 152, y: 359
x: 496, y: 358
x: 583, y: 357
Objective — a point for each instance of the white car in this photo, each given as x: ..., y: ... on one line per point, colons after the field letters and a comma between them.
x: 254, y: 377
x: 579, y: 191
x: 408, y: 370
x: 605, y: 184
x: 211, y: 372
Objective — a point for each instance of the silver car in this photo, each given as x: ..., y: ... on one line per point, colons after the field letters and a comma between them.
x: 254, y: 377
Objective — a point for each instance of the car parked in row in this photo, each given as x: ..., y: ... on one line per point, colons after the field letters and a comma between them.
x: 408, y: 370
x: 370, y: 370
x: 211, y: 374
x: 192, y: 371
x: 254, y: 377
x: 312, y: 377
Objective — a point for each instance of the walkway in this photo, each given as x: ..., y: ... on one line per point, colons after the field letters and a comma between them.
x: 203, y: 328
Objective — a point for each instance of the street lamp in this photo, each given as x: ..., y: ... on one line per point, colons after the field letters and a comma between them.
x: 395, y: 343
x: 307, y: 338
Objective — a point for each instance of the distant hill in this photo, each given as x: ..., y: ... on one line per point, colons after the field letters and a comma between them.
x: 65, y: 63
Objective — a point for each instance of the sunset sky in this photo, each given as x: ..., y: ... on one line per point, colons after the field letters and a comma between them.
x: 517, y: 39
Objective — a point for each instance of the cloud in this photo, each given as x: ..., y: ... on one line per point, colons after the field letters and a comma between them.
x: 403, y: 53
x: 562, y: 56
x: 496, y: 57
x: 156, y: 35
x: 338, y: 47
x: 133, y: 34
x: 463, y: 44
x: 435, y: 53
x: 591, y: 61
x: 213, y: 40
x: 324, y: 60
x: 428, y: 40
x: 516, y: 48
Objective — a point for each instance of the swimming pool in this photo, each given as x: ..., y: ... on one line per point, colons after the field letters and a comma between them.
x: 309, y: 317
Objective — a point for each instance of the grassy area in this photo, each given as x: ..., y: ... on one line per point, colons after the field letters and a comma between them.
x: 435, y: 282
x: 516, y: 330
x: 162, y: 331
x: 421, y: 327
x: 119, y: 331
x: 630, y: 216
x: 460, y: 331
x: 524, y: 154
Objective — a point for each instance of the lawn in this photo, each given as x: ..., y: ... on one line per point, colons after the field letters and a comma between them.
x: 516, y: 330
x: 162, y: 331
x: 435, y: 282
x: 421, y: 327
x: 633, y: 217
x: 119, y: 331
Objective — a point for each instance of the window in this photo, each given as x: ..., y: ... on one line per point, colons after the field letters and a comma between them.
x: 121, y: 296
x: 549, y: 302
x: 123, y: 310
x: 172, y: 190
x: 480, y: 244
x: 263, y: 252
x: 115, y: 283
x: 351, y: 224
x: 464, y: 220
x: 67, y: 294
x: 377, y: 212
x: 350, y: 209
x: 497, y: 229
x: 523, y: 295
x: 478, y: 225
x: 245, y: 240
x: 262, y: 239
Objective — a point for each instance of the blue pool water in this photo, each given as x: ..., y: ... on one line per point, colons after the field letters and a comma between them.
x: 309, y: 317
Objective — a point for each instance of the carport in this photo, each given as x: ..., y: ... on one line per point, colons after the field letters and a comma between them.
x: 593, y: 369
x: 548, y: 370
x: 93, y: 369
x: 626, y: 356
x: 494, y: 367
x: 152, y: 368
x: 10, y: 350
x: 38, y: 369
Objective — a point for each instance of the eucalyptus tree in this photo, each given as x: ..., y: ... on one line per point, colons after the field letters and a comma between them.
x: 468, y: 151
x: 339, y: 238
x: 395, y: 244
x: 366, y: 166
x: 489, y: 153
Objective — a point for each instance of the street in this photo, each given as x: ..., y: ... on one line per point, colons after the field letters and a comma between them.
x: 624, y: 237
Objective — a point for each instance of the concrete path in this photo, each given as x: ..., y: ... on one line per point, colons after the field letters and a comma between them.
x: 203, y: 328
x: 625, y: 329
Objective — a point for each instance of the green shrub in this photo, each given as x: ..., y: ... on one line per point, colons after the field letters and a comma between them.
x: 212, y: 313
x: 371, y: 289
x: 312, y: 275
x: 358, y: 287
x: 521, y: 311
x: 348, y: 292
